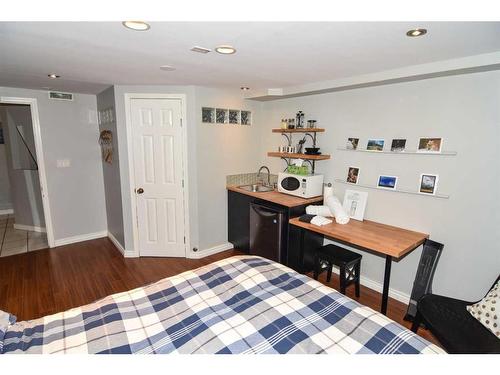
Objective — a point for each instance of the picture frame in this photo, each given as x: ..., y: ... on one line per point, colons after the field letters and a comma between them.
x: 352, y: 175
x: 398, y: 145
x: 428, y: 183
x: 430, y: 145
x: 352, y: 143
x: 387, y: 182
x: 355, y: 204
x: 375, y: 145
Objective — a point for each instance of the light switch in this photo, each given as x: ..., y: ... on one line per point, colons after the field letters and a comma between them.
x: 63, y: 163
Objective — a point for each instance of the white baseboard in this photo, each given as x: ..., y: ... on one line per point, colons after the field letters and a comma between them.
x: 80, y: 238
x: 7, y: 211
x: 210, y: 251
x: 31, y: 228
x: 378, y: 287
x: 126, y: 254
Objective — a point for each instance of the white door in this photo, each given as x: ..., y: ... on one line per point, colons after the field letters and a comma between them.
x: 158, y: 169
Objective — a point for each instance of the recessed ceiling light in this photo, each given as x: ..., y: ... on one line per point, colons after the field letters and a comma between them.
x: 244, y: 88
x: 136, y: 25
x: 167, y: 68
x: 200, y: 49
x: 53, y: 75
x: 225, y: 50
x: 416, y: 32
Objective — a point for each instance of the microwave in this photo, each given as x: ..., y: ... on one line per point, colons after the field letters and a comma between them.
x: 306, y: 186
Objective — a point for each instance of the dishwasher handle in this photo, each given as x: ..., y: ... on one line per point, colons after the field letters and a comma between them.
x: 263, y: 211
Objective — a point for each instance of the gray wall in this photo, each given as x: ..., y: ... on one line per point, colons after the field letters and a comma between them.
x: 222, y: 150
x: 5, y: 195
x: 21, y: 168
x: 69, y: 131
x: 111, y: 172
x: 465, y: 111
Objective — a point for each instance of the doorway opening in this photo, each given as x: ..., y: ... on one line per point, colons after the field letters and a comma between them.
x: 22, y: 217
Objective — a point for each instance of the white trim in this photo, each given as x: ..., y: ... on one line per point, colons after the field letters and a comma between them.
x: 135, y: 252
x: 118, y: 245
x: 210, y: 251
x: 378, y: 287
x: 37, y: 133
x: 31, y: 228
x: 7, y: 211
x: 80, y: 238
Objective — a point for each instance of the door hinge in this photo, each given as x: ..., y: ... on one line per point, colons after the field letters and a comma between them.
x: 181, y: 123
x: 182, y: 183
x: 184, y: 239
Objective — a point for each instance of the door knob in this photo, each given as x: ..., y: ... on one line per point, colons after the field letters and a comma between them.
x: 139, y: 191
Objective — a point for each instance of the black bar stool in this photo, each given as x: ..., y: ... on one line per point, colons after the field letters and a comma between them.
x: 348, y: 262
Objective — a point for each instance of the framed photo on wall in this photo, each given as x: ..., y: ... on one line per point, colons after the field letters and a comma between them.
x: 430, y: 145
x: 398, y: 145
x: 387, y: 182
x: 352, y: 143
x: 375, y: 145
x: 352, y: 175
x: 428, y: 183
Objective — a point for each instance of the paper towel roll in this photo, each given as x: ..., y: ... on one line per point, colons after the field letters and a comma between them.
x: 319, y: 210
x: 337, y: 210
x: 327, y: 192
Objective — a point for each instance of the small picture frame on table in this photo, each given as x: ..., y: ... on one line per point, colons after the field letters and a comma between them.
x: 355, y: 204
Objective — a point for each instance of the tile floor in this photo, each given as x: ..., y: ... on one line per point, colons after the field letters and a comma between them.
x: 15, y: 241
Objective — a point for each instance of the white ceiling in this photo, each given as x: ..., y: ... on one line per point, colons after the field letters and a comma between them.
x: 93, y: 55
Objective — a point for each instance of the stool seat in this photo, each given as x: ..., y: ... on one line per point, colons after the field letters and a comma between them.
x: 348, y: 261
x: 338, y: 254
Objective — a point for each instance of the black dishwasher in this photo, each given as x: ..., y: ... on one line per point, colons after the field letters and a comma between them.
x: 268, y: 231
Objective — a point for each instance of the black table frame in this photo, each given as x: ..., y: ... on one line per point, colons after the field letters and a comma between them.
x: 387, y: 271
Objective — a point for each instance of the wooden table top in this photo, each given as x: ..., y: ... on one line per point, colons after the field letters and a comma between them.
x: 277, y: 197
x: 369, y: 235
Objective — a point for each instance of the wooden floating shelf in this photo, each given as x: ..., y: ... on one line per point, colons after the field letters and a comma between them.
x: 443, y: 153
x: 288, y: 155
x: 300, y: 130
x: 443, y: 196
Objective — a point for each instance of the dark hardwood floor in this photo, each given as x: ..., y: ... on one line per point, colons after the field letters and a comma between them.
x: 49, y: 281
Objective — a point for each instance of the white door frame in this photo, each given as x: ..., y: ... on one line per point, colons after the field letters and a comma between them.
x: 35, y: 120
x: 130, y: 152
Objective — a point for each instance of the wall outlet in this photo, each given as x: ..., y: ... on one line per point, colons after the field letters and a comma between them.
x: 63, y: 163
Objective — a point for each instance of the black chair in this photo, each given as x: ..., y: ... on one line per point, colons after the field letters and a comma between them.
x: 455, y: 328
x: 348, y: 261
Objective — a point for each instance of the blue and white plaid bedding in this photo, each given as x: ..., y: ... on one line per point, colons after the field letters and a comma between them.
x: 242, y: 304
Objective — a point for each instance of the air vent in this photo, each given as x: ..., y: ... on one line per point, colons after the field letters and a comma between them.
x: 60, y: 95
x: 200, y: 49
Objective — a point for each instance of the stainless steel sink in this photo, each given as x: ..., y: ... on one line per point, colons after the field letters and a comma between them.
x: 256, y: 188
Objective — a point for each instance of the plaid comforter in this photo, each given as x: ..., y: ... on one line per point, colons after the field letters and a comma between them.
x: 243, y: 304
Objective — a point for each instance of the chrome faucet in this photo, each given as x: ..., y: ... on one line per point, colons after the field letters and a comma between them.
x: 268, y: 174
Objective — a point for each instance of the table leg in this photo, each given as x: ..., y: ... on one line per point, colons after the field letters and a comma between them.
x: 301, y: 250
x: 387, y: 278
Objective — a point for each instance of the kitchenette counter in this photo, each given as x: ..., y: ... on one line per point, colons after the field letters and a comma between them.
x: 277, y: 197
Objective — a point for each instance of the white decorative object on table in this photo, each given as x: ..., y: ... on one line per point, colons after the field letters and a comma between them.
x: 355, y: 204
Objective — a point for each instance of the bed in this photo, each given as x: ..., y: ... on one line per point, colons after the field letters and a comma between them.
x: 242, y: 304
